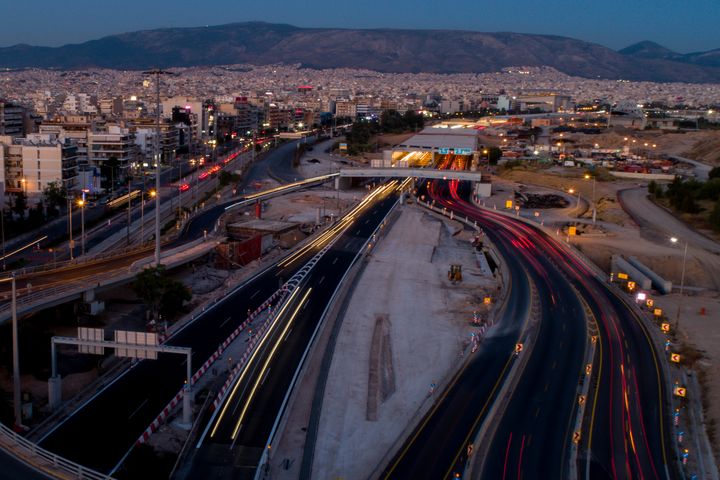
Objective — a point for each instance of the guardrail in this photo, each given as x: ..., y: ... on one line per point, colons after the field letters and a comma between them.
x: 77, y: 262
x: 43, y: 460
x: 261, y: 470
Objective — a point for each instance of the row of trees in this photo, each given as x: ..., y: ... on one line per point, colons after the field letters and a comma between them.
x: 685, y: 195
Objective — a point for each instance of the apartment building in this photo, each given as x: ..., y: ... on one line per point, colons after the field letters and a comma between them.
x: 11, y: 119
x: 114, y: 142
x: 33, y: 162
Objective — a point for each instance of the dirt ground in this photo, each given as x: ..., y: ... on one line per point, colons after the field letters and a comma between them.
x: 703, y: 145
x: 608, y: 208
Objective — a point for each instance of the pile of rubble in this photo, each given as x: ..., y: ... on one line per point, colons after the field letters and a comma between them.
x: 537, y: 200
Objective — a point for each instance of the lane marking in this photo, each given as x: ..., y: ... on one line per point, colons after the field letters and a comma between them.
x: 138, y: 408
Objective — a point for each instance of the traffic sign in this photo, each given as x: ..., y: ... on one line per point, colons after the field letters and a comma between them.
x: 649, y: 302
x: 487, y: 300
x: 588, y: 369
x: 665, y: 327
x: 657, y: 312
x: 518, y: 347
x: 675, y: 357
x: 679, y: 391
x: 622, y: 276
x: 581, y: 400
x: 572, y: 231
x: 631, y: 285
x: 576, y: 436
x: 508, y: 203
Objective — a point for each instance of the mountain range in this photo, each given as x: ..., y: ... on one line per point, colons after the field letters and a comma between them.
x: 384, y: 50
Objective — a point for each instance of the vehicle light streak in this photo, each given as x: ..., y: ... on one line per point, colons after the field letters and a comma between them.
x: 250, y: 360
x: 267, y: 362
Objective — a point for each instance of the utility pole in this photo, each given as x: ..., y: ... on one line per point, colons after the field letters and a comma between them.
x: 129, y: 211
x: 157, y: 72
x: 16, y: 356
x: 70, y: 227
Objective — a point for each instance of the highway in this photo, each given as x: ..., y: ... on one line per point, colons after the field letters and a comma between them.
x: 625, y: 430
x: 237, y: 436
x: 625, y: 433
x: 101, y: 432
x: 541, y: 408
x: 205, y: 221
x: 127, y: 406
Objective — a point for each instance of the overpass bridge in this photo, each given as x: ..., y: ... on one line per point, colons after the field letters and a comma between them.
x: 412, y: 172
x: 83, y: 278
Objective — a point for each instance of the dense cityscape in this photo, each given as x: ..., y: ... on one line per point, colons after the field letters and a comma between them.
x: 262, y: 270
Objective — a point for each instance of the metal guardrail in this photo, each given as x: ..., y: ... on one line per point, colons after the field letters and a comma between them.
x: 44, y: 460
x: 80, y: 261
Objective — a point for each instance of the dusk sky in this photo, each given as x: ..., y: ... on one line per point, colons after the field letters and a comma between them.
x: 683, y: 26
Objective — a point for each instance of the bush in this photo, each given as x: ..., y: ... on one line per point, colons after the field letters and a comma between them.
x: 715, y: 217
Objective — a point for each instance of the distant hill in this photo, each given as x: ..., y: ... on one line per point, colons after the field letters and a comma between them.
x: 653, y: 51
x: 385, y: 50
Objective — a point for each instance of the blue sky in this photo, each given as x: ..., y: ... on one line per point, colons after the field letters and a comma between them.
x: 682, y: 25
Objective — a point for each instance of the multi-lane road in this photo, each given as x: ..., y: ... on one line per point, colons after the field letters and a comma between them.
x: 101, y: 432
x: 238, y: 435
x: 624, y: 433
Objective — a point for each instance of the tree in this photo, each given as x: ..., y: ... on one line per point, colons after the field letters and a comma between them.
x: 20, y: 204
x: 55, y: 196
x: 714, y: 173
x: 109, y: 169
x: 494, y: 154
x: 715, y: 217
x: 160, y: 293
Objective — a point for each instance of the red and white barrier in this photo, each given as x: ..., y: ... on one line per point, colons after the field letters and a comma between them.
x: 163, y: 416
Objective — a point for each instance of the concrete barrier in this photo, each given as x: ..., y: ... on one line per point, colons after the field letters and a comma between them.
x: 661, y: 285
x: 619, y: 264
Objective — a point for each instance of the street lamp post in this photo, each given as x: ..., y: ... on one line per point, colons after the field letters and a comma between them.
x: 142, y: 218
x: 81, y: 204
x: 157, y: 72
x: 587, y: 176
x: 682, y: 282
x: 70, y: 228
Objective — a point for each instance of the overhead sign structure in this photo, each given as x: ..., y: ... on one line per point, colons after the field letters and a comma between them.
x: 95, y: 334
x: 141, y: 339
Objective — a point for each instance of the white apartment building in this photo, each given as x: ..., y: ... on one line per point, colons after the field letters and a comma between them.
x: 80, y: 103
x: 31, y: 163
x: 115, y: 142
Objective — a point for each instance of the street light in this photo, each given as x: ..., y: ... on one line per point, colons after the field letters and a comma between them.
x: 587, y: 177
x: 682, y: 281
x: 71, y: 244
x: 571, y: 191
x: 81, y: 204
x: 157, y: 72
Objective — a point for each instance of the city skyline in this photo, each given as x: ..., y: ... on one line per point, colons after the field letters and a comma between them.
x: 667, y: 23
